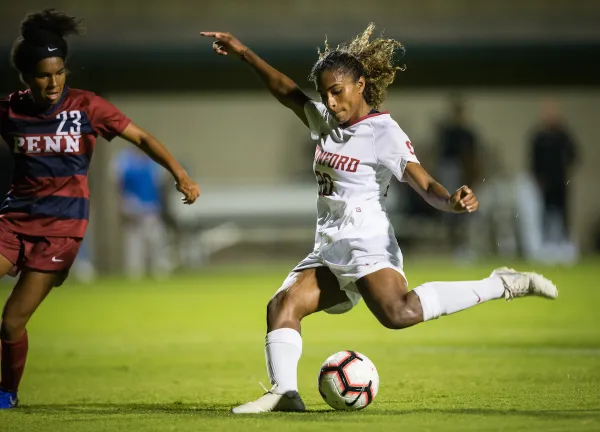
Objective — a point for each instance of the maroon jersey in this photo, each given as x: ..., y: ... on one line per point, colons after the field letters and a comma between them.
x: 52, y: 150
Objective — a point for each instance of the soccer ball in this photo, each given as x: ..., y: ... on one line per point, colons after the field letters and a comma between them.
x: 348, y: 381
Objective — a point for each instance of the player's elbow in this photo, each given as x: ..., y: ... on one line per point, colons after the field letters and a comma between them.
x: 144, y: 139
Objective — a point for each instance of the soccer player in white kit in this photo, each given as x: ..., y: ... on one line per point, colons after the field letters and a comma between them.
x: 358, y: 149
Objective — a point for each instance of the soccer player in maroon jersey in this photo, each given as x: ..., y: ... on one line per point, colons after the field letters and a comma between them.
x: 52, y: 130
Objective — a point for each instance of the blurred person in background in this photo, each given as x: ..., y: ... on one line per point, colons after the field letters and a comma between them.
x: 458, y: 151
x: 493, y: 229
x: 51, y: 131
x: 142, y: 203
x: 553, y: 156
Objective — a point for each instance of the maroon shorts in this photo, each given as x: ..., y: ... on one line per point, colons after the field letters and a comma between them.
x: 47, y: 254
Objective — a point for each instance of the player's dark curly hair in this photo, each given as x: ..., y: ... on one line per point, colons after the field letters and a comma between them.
x: 41, y: 29
x: 372, y: 59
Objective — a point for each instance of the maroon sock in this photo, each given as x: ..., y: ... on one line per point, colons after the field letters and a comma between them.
x: 14, y: 354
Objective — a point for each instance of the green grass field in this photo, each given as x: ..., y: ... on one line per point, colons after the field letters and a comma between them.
x: 177, y: 355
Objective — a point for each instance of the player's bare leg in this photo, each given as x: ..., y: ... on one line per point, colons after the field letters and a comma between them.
x: 29, y: 292
x: 5, y: 266
x: 386, y: 294
x: 302, y: 293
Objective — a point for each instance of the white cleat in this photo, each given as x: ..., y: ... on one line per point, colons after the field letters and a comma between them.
x: 521, y: 284
x: 271, y: 401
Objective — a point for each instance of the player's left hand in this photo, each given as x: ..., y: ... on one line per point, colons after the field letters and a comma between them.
x: 464, y: 200
x: 225, y: 43
x: 189, y: 189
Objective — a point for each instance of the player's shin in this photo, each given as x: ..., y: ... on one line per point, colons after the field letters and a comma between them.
x: 14, y: 356
x: 283, y: 348
x: 445, y: 298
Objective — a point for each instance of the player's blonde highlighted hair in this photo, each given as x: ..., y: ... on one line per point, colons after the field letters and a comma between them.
x: 372, y: 59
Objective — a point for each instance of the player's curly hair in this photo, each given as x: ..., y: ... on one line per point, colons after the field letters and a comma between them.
x: 375, y: 60
x: 41, y: 29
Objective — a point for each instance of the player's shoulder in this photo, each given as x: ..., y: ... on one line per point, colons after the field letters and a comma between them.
x: 82, y: 97
x: 385, y: 127
x: 315, y: 104
x: 313, y: 107
x: 88, y: 102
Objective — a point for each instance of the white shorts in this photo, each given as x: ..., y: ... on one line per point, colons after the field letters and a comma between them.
x: 349, y: 260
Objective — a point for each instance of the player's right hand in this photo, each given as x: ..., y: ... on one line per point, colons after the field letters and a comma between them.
x: 464, y: 200
x: 225, y: 43
x: 189, y: 188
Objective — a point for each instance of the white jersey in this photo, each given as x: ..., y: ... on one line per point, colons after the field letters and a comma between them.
x: 354, y: 166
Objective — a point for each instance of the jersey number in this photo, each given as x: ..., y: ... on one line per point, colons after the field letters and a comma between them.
x: 325, y: 183
x: 75, y: 116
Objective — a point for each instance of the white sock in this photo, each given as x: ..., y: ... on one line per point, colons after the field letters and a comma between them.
x: 283, y: 348
x: 445, y: 298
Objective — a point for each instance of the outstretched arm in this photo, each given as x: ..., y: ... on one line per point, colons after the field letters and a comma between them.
x: 281, y: 87
x: 159, y: 153
x: 463, y: 200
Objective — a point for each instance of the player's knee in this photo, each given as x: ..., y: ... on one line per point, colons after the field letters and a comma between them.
x: 272, y: 308
x: 275, y: 307
x: 12, y: 327
x: 280, y: 307
x: 398, y: 315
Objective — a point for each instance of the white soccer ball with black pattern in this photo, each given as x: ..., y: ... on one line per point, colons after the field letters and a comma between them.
x: 348, y: 381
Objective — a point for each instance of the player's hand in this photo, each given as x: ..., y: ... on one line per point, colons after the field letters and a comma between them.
x: 225, y: 43
x: 189, y: 189
x: 464, y: 200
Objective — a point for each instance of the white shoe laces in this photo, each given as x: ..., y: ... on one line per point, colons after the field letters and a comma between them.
x: 265, y: 389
